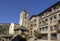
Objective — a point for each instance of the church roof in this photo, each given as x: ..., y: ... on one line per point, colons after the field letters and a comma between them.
x: 24, y: 10
x: 22, y: 28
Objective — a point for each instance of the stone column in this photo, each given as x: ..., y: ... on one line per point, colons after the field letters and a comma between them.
x: 58, y: 36
x: 37, y: 22
x: 49, y: 32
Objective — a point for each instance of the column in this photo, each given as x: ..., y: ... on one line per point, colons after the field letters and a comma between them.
x: 58, y: 36
x: 53, y: 10
x: 37, y: 23
x: 57, y: 16
x: 49, y: 32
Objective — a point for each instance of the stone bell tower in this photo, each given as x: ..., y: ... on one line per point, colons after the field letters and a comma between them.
x: 24, y: 18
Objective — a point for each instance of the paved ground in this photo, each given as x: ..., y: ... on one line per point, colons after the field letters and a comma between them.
x: 31, y: 39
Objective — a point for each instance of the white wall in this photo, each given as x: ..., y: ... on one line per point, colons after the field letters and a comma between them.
x: 11, y: 29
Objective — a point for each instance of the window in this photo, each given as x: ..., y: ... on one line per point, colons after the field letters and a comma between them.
x: 46, y: 27
x: 46, y: 19
x: 43, y: 28
x: 25, y: 14
x: 54, y: 17
x: 35, y: 20
x: 30, y: 25
x: 40, y: 29
x: 44, y: 36
x: 34, y: 30
x: 53, y: 36
x: 35, y: 25
x: 55, y: 27
x: 43, y: 21
x: 39, y: 22
x: 59, y: 21
x: 51, y: 28
x: 59, y: 14
x: 57, y: 7
x: 31, y: 32
x: 2, y: 40
x: 42, y: 14
x: 51, y: 18
x: 31, y: 28
x: 25, y: 17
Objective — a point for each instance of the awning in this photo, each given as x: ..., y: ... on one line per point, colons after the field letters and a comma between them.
x: 22, y: 28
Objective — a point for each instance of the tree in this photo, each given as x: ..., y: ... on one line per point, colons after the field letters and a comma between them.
x: 37, y: 34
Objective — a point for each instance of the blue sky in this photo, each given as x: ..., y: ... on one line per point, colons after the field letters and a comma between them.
x: 10, y: 9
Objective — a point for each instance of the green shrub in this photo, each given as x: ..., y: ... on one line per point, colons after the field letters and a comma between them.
x: 37, y: 34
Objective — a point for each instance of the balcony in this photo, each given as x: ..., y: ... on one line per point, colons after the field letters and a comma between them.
x: 53, y: 29
x: 57, y: 8
x: 49, y: 13
x: 53, y: 11
x: 44, y: 29
x: 45, y: 23
x: 54, y: 21
x: 43, y: 16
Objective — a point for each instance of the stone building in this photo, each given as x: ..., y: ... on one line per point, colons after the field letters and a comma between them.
x: 33, y: 24
x: 47, y: 22
x: 24, y: 19
x: 4, y: 30
x: 7, y: 31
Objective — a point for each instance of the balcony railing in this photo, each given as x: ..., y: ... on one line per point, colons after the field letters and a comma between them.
x: 57, y: 10
x: 45, y: 23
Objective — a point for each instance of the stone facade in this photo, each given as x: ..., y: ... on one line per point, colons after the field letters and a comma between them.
x: 8, y: 30
x: 47, y: 22
x: 33, y: 25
